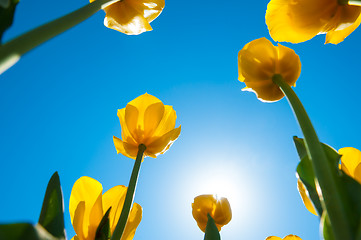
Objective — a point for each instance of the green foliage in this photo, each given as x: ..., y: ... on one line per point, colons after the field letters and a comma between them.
x: 349, y: 187
x: 51, y: 221
x: 103, y: 230
x: 7, y: 10
x: 211, y: 230
x: 52, y: 212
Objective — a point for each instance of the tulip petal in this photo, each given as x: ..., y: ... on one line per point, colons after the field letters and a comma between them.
x: 78, y: 220
x: 150, y: 9
x: 88, y: 190
x: 124, y: 148
x: 273, y: 238
x: 152, y: 117
x: 288, y: 64
x: 134, y: 219
x: 350, y: 160
x: 126, y: 136
x: 161, y: 145
x: 168, y: 121
x: 114, y: 198
x: 266, y: 92
x: 96, y: 215
x: 298, y: 20
x: 223, y: 215
x: 338, y: 36
x: 256, y: 61
x: 305, y: 198
x: 292, y: 237
x: 121, y: 16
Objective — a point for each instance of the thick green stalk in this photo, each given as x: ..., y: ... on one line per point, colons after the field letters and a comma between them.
x: 328, y: 190
x: 11, y: 51
x: 119, y: 229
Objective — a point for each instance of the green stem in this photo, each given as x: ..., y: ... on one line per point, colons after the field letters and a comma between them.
x: 326, y: 185
x: 11, y: 51
x: 119, y: 229
x: 211, y: 232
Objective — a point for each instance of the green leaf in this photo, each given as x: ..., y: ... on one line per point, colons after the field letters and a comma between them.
x: 103, y: 230
x: 211, y: 232
x: 325, y: 227
x: 306, y: 174
x: 52, y: 212
x: 24, y: 231
x: 7, y: 10
x: 350, y: 188
x: 18, y: 231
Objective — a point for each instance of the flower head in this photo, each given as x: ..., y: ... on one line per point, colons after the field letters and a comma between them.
x: 259, y: 61
x: 218, y: 208
x: 88, y: 205
x: 146, y: 120
x: 350, y: 164
x: 132, y: 17
x: 288, y: 237
x: 300, y: 20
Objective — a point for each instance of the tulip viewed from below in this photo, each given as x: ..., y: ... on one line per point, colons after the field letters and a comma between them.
x: 297, y: 21
x: 146, y: 120
x: 88, y: 205
x: 288, y: 237
x: 259, y: 61
x: 218, y: 208
x: 132, y: 17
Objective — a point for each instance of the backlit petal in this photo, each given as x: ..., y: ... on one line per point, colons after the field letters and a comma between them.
x: 124, y: 148
x: 150, y: 9
x: 273, y: 238
x: 288, y: 65
x: 126, y: 136
x: 78, y: 220
x: 114, y: 198
x: 305, y: 198
x: 292, y: 237
x: 338, y: 36
x: 152, y: 117
x: 159, y: 146
x: 134, y: 219
x: 218, y: 208
x: 121, y: 16
x: 168, y: 121
x: 350, y: 161
x: 297, y: 20
x: 259, y: 61
x: 256, y: 61
x: 88, y: 190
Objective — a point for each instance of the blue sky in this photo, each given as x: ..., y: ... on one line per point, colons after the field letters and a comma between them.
x: 58, y: 109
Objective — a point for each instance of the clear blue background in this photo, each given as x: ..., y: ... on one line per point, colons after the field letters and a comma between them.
x: 58, y: 108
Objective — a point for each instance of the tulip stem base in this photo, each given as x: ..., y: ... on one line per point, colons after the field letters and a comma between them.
x: 211, y: 232
x: 119, y: 229
x: 329, y: 192
x: 11, y: 51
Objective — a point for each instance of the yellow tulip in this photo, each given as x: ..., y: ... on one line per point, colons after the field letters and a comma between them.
x: 146, y: 120
x: 88, y: 205
x: 289, y: 237
x: 132, y: 17
x: 218, y: 208
x: 350, y: 164
x: 259, y: 61
x: 297, y: 21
